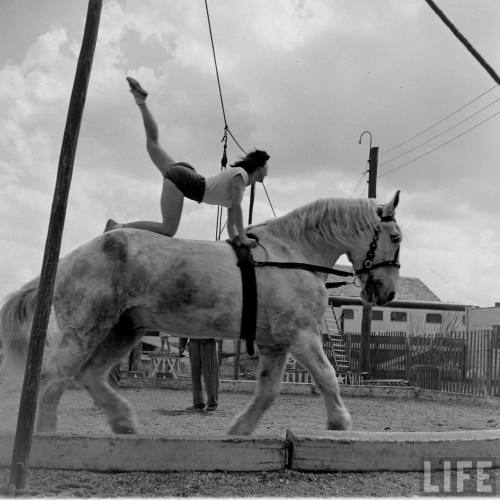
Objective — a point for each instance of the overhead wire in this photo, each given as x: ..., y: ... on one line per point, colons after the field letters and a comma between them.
x: 440, y: 145
x: 360, y: 180
x: 440, y: 134
x: 479, y: 58
x: 430, y: 127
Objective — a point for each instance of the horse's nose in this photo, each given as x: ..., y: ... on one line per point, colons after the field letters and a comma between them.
x: 391, y: 296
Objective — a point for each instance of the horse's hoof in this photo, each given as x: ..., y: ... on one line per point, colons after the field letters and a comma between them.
x: 343, y: 423
x: 46, y: 428
x: 123, y: 427
x: 46, y: 425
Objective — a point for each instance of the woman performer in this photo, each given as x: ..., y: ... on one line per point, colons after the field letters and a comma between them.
x: 180, y: 179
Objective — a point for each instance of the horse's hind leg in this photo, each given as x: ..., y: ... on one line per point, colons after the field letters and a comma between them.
x: 94, y: 375
x: 57, y: 369
x: 51, y: 390
x: 308, y: 350
x: 271, y: 363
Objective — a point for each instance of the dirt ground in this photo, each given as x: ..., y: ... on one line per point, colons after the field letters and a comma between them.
x: 163, y: 412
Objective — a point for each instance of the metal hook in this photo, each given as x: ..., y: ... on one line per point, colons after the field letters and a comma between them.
x: 370, y: 134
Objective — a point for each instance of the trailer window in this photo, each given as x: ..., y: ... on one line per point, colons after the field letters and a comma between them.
x: 433, y: 318
x: 378, y: 315
x: 398, y: 316
x: 348, y: 313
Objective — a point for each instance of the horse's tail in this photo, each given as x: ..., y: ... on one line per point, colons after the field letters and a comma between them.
x: 16, y: 317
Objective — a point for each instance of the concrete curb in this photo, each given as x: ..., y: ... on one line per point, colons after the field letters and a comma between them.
x: 150, y: 453
x: 393, y: 451
x: 324, y: 451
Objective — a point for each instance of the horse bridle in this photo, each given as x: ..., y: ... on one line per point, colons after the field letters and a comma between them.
x: 368, y: 265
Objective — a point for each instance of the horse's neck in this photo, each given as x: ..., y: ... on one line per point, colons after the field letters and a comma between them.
x: 320, y: 255
x: 303, y: 250
x: 318, y: 230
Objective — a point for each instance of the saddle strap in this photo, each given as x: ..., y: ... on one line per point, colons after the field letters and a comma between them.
x: 247, y: 266
x: 249, y: 289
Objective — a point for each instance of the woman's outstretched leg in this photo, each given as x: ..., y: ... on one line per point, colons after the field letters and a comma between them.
x: 172, y: 199
x: 157, y: 154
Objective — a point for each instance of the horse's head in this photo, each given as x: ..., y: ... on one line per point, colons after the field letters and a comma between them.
x: 376, y: 260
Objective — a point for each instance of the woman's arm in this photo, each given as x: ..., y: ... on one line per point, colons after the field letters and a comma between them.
x: 235, y: 225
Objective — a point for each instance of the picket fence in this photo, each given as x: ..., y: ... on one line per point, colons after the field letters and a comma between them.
x: 461, y: 362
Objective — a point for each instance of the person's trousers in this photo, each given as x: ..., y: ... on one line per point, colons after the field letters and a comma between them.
x: 203, y: 360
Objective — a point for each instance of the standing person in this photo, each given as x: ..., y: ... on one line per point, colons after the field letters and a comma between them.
x: 181, y: 180
x: 204, y: 361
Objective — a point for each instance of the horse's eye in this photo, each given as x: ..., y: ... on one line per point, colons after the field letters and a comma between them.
x: 395, y: 238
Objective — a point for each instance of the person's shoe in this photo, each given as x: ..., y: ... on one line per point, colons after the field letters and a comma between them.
x: 111, y: 224
x: 196, y: 408
x: 211, y: 407
x: 137, y: 91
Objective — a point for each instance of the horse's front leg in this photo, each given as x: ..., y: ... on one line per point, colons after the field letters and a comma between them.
x: 269, y: 373
x: 308, y: 350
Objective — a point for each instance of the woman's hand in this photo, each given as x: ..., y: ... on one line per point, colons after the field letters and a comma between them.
x: 246, y: 241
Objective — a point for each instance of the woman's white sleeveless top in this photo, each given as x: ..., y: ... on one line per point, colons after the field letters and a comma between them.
x: 218, y: 187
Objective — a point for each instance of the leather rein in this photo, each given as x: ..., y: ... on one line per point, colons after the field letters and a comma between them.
x: 247, y: 266
x: 368, y: 265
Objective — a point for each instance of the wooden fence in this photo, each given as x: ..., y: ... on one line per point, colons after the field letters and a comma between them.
x: 463, y: 362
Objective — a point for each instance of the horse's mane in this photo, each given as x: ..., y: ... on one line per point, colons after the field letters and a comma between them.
x: 332, y: 220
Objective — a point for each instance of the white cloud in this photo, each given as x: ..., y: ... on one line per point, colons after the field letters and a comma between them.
x: 301, y: 79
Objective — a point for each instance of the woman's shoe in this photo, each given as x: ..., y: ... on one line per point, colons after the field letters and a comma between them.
x: 137, y: 91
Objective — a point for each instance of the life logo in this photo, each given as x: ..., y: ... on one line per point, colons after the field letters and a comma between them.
x: 459, y: 476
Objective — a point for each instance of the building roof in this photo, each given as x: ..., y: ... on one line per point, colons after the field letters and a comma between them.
x: 409, y: 288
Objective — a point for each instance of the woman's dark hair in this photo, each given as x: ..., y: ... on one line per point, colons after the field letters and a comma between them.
x: 252, y: 161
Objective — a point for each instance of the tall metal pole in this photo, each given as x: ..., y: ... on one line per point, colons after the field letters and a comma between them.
x: 29, y: 395
x: 366, y: 318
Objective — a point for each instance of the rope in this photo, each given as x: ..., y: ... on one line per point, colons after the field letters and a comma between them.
x: 479, y: 58
x: 219, y: 228
x: 269, y: 200
x: 215, y: 62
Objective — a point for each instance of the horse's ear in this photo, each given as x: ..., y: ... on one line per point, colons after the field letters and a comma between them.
x: 390, y: 208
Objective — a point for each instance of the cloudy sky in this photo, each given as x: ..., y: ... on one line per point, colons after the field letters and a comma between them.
x: 300, y: 78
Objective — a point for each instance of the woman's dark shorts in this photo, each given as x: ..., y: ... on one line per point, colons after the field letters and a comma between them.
x: 187, y: 180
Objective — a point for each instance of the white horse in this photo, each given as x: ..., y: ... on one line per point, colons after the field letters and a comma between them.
x: 110, y: 291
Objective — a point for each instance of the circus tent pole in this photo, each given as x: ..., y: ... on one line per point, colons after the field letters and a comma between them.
x: 29, y: 395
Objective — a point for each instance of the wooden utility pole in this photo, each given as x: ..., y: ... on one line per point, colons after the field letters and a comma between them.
x: 366, y: 319
x: 29, y: 395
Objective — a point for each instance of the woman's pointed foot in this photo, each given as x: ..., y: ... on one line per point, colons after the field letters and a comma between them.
x: 137, y: 91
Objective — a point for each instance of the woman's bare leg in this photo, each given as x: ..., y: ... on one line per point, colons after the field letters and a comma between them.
x: 157, y: 154
x: 172, y: 199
